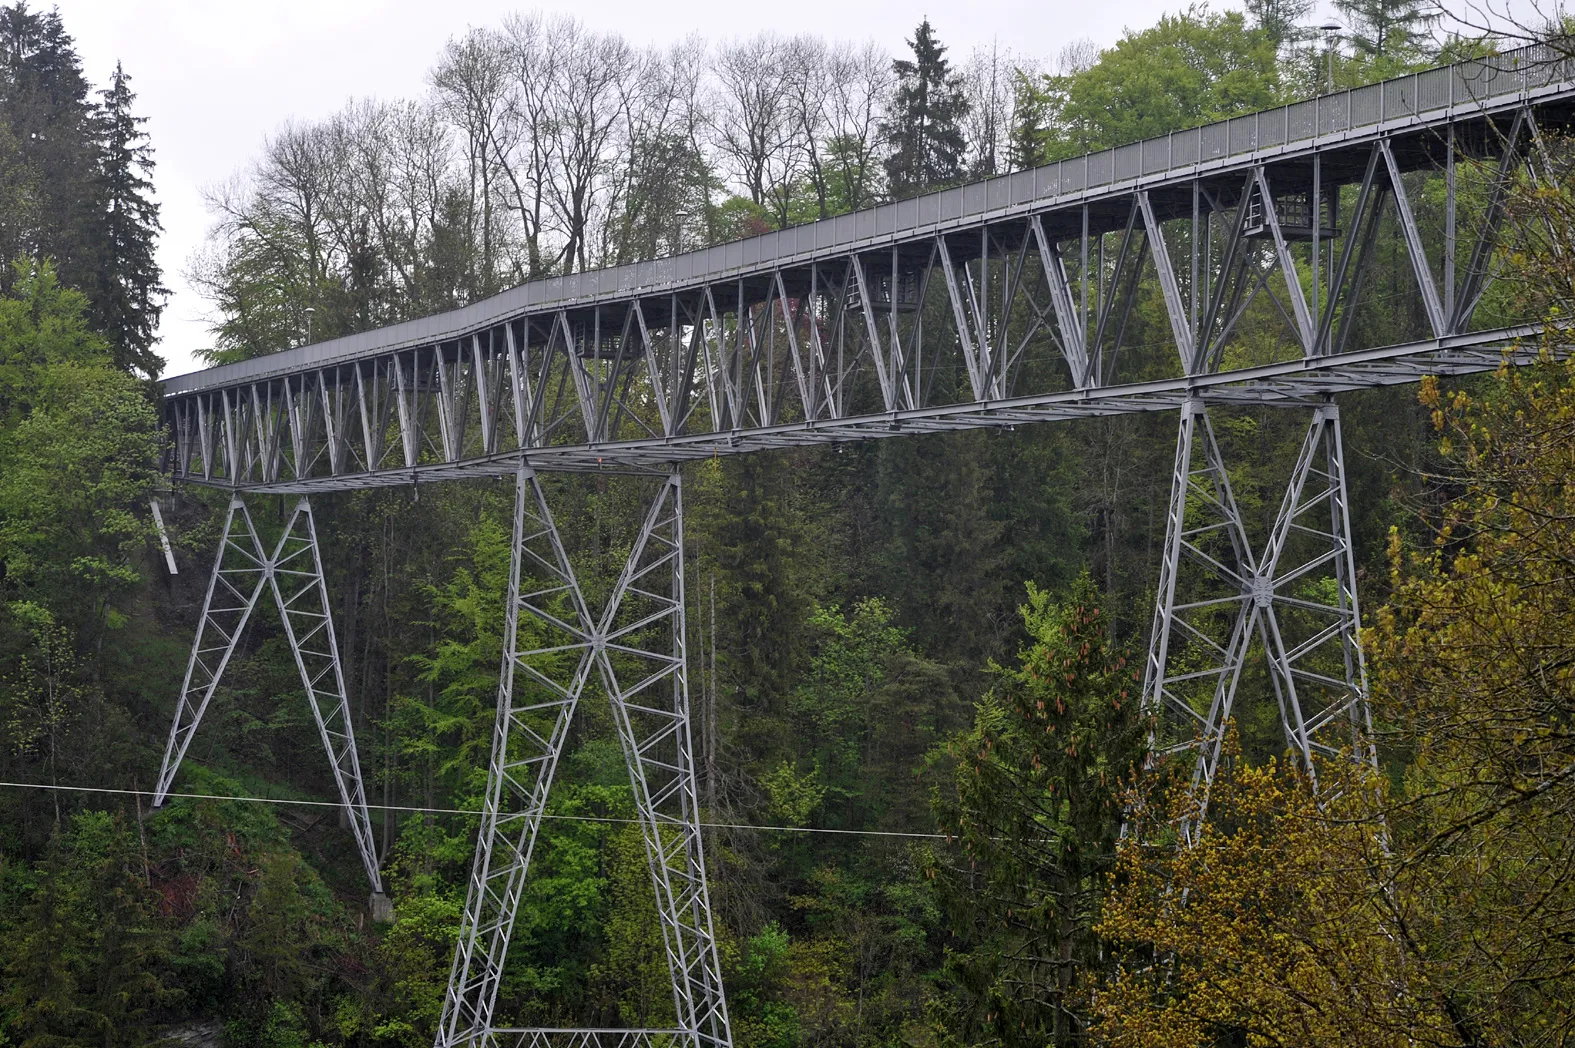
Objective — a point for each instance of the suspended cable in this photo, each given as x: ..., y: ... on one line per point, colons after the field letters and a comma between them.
x: 619, y: 820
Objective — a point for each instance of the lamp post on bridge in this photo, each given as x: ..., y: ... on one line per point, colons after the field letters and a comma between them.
x: 1331, y: 36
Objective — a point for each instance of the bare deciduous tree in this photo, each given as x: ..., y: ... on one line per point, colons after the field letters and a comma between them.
x: 988, y: 83
x: 861, y: 83
x: 752, y: 118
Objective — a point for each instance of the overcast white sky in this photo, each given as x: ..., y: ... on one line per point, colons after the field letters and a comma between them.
x: 214, y: 77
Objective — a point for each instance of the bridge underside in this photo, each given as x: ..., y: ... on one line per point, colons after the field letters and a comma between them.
x: 1291, y: 383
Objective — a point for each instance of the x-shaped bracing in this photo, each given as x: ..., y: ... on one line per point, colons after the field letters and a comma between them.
x: 553, y: 645
x: 1297, y: 597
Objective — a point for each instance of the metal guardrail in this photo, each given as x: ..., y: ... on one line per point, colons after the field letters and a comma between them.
x: 1476, y: 84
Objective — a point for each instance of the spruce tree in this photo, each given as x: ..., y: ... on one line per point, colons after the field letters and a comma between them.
x: 41, y: 999
x: 74, y: 184
x: 1036, y: 800
x: 46, y: 114
x: 925, y: 130
x: 1030, y: 112
x: 1386, y: 28
x: 126, y: 294
x: 1280, y: 20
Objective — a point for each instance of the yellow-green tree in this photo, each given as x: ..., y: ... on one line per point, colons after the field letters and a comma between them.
x: 1272, y: 929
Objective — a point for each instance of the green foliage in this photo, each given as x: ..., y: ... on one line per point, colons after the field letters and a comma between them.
x: 1034, y: 798
x: 414, y: 959
x: 1282, y: 21
x: 1190, y: 69
x: 126, y: 293
x: 78, y: 446
x: 87, y: 963
x: 43, y: 324
x: 1388, y: 29
x: 78, y: 174
x: 738, y: 217
x: 49, y: 122
x: 262, y: 294
x: 78, y: 449
x: 757, y: 541
x: 69, y: 473
x: 756, y: 986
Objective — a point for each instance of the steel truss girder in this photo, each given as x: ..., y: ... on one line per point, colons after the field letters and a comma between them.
x: 1216, y: 597
x: 636, y: 649
x: 646, y: 379
x: 293, y: 572
x: 1299, y: 381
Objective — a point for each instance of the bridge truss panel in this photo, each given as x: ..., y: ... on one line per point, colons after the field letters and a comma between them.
x: 1538, y: 75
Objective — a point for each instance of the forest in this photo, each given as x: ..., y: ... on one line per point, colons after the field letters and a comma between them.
x: 914, y: 662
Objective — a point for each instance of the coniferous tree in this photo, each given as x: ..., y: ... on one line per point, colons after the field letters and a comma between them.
x: 126, y: 295
x: 42, y: 1001
x: 47, y: 115
x: 1280, y: 20
x: 1035, y: 799
x: 120, y: 986
x: 74, y: 185
x: 1025, y: 145
x: 925, y: 130
x: 1386, y: 28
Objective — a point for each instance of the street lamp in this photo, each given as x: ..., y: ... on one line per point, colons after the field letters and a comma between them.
x: 1331, y: 34
x: 309, y: 311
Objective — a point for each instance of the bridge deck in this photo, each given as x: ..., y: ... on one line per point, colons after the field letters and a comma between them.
x: 832, y: 331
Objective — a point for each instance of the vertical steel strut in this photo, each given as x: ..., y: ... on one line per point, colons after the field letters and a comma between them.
x: 294, y: 572
x: 637, y: 650
x: 1298, y: 600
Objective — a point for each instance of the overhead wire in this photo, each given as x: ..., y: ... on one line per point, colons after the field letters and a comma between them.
x: 416, y: 809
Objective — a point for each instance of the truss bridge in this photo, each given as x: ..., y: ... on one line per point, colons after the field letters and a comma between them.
x: 1009, y: 301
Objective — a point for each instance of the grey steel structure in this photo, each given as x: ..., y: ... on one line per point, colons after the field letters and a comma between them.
x: 994, y: 304
x: 293, y: 572
x: 635, y: 646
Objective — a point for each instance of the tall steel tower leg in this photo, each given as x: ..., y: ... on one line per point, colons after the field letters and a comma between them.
x: 637, y: 650
x: 1205, y: 613
x: 1313, y: 641
x: 642, y: 656
x: 548, y: 666
x: 294, y: 572
x: 239, y: 572
x: 296, y: 575
x: 1299, y: 599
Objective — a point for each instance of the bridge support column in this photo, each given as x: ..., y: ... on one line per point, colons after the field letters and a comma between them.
x: 294, y: 573
x: 1296, y: 602
x: 636, y: 649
